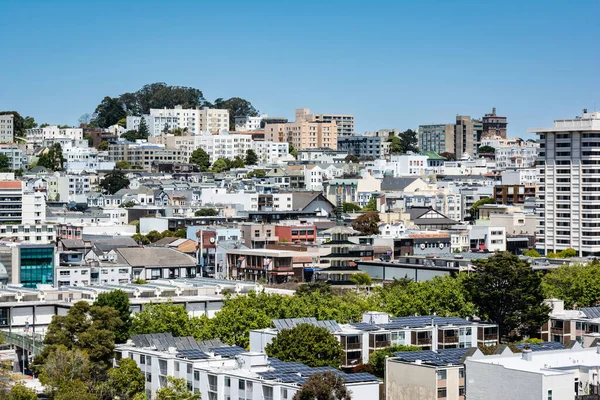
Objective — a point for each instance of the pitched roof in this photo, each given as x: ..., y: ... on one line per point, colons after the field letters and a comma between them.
x: 164, y: 241
x: 72, y: 243
x: 391, y: 183
x: 114, y: 243
x: 155, y: 257
x: 301, y: 200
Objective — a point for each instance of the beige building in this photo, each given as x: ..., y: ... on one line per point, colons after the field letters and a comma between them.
x: 307, y: 132
x: 146, y: 155
x: 345, y: 122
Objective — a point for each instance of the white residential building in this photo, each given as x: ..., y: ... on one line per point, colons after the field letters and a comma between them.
x: 568, y: 185
x: 224, y: 145
x: 157, y: 124
x: 30, y: 233
x: 196, y: 120
x: 38, y: 135
x: 524, y: 176
x: 400, y: 165
x: 244, y: 124
x: 7, y: 129
x: 20, y: 207
x: 271, y: 152
x: 534, y: 375
x: 522, y: 156
x: 16, y: 158
x: 218, y: 371
x: 487, y: 237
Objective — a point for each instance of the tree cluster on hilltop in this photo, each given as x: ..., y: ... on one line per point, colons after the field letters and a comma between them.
x: 111, y: 110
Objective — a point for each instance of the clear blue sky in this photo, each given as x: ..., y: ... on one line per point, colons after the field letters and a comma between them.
x: 390, y: 63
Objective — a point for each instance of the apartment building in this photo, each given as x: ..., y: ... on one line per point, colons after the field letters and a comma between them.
x: 38, y: 135
x: 271, y: 152
x: 345, y: 122
x: 565, y: 325
x: 513, y: 194
x: 428, y: 374
x: 467, y: 135
x: 436, y: 137
x: 31, y: 233
x: 303, y: 134
x: 196, y: 120
x: 219, y: 371
x: 247, y: 124
x: 226, y: 146
x: 378, y: 330
x: 146, y: 155
x: 568, y: 185
x: 522, y: 155
x: 258, y: 236
x: 156, y: 124
x: 7, y: 128
x: 533, y: 375
x: 494, y: 125
x: 18, y: 207
x: 16, y: 158
x: 362, y: 146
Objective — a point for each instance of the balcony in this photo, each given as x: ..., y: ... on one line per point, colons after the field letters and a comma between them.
x: 423, y: 341
x: 351, y: 346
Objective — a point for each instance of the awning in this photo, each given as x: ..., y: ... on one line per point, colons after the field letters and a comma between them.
x: 281, y: 273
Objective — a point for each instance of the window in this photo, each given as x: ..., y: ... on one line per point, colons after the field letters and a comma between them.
x: 242, y: 385
x: 550, y: 394
x: 142, y: 359
x: 176, y: 366
x: 227, y: 381
x: 149, y: 378
x: 441, y: 393
x: 196, y: 375
x: 461, y: 372
x: 441, y: 375
x: 189, y: 368
x: 461, y: 390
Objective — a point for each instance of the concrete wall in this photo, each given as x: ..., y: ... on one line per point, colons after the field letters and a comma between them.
x: 410, y: 381
x: 495, y: 382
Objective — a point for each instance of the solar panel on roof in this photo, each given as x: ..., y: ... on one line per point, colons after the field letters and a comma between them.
x: 228, y: 351
x: 363, y: 326
x: 193, y: 354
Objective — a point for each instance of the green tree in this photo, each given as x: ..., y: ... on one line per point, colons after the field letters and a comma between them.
x: 64, y: 366
x: 251, y: 157
x: 350, y: 207
x: 75, y: 390
x: 323, y: 386
x: 167, y: 233
x: 378, y: 358
x: 237, y: 107
x: 237, y: 162
x: 130, y: 136
x: 180, y: 233
x: 361, y: 279
x: 448, y: 156
x: 206, y: 212
x: 367, y: 223
x: 257, y: 173
x: 531, y: 253
x: 128, y: 204
x: 486, y: 149
x: 176, y: 389
x: 118, y: 300
x: 351, y: 158
x: 122, y: 165
x: 201, y: 159
x: 20, y: 124
x: 126, y: 380
x: 161, y: 95
x: 103, y: 146
x: 139, y: 238
x: 507, y: 292
x: 53, y: 158
x: 220, y: 165
x: 404, y: 142
x: 89, y: 139
x: 577, y: 284
x: 20, y: 392
x: 109, y: 112
x: 4, y: 163
x: 474, y: 210
x: 293, y: 152
x: 371, y: 205
x: 114, y: 181
x: 143, y: 131
x: 154, y: 236
x: 309, y: 344
x: 161, y: 318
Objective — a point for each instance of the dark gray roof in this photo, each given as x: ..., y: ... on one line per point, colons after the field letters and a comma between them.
x: 301, y: 200
x: 114, y: 243
x: 155, y: 257
x: 544, y: 346
x: 72, y: 243
x: 591, y: 312
x: 396, y: 184
x: 164, y: 241
x: 439, y: 358
x: 289, y: 323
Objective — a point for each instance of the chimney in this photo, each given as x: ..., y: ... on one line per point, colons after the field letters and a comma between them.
x: 585, y: 110
x: 526, y: 355
x: 494, y: 111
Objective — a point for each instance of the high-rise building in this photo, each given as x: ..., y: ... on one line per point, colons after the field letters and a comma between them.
x: 345, y: 122
x: 568, y: 169
x: 7, y: 128
x: 494, y: 125
x: 467, y: 134
x: 436, y: 137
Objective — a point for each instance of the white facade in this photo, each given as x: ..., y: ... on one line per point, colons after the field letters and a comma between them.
x: 568, y: 185
x: 15, y: 155
x: 525, y: 176
x: 7, y: 130
x: 271, y: 152
x: 540, y: 375
x: 33, y: 234
x: 38, y: 135
x: 196, y: 120
x: 33, y: 208
x: 492, y: 237
x: 156, y: 123
x: 248, y: 123
x: 224, y: 146
x: 517, y: 156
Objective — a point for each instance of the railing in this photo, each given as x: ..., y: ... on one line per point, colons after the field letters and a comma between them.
x: 450, y: 339
x: 352, y: 346
x: 383, y: 343
x: 421, y: 341
x: 491, y: 336
x: 32, y: 343
x: 558, y: 331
